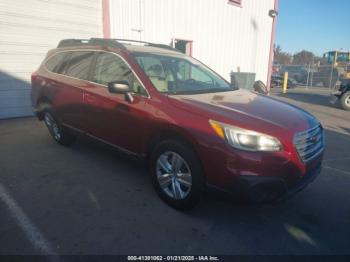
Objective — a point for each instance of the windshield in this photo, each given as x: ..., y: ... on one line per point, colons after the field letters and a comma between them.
x: 343, y: 57
x: 180, y: 75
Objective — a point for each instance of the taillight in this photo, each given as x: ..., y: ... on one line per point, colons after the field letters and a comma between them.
x: 34, y: 77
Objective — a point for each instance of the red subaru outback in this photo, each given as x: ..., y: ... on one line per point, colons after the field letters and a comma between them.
x: 194, y: 129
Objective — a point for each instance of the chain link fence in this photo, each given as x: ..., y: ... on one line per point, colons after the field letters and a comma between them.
x: 326, y: 76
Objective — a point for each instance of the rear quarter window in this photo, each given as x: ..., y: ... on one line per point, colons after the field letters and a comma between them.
x: 54, y: 63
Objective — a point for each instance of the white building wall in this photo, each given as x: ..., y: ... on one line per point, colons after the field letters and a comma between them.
x: 224, y: 36
x: 28, y: 29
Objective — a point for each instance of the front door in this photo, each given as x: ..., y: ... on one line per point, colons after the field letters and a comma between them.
x: 111, y: 117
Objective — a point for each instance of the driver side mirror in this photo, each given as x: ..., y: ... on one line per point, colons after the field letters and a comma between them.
x: 260, y: 87
x: 121, y: 87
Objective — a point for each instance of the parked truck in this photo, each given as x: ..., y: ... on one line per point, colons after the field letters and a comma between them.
x: 335, y: 67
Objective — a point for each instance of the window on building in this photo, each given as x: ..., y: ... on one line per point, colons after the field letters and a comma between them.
x: 185, y: 46
x: 235, y: 2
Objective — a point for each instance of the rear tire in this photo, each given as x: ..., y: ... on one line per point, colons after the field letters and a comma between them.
x: 176, y: 174
x: 345, y: 101
x: 59, y: 133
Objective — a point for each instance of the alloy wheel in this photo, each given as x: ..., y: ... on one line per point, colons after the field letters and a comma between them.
x: 174, y: 175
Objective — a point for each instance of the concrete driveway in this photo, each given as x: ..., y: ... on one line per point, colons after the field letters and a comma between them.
x: 90, y: 199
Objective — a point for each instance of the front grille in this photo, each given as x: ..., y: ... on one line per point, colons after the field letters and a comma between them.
x: 309, y: 143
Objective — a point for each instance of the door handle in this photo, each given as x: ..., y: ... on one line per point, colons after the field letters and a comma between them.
x: 92, y: 101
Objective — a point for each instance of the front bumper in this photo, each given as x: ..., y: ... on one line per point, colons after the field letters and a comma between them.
x: 260, y: 189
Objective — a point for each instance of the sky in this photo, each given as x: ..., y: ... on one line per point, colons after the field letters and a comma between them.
x: 314, y: 25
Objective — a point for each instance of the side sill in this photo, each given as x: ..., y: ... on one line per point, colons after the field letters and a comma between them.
x: 121, y: 149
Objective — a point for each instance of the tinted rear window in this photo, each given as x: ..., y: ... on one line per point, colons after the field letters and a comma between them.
x: 54, y: 64
x: 79, y: 64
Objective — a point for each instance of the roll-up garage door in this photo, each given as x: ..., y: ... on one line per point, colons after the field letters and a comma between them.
x: 28, y: 29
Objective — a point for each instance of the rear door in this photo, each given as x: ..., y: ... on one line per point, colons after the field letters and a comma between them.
x: 69, y: 97
x: 44, y: 79
x: 111, y: 117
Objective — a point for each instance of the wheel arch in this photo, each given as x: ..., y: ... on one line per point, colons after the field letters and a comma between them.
x: 168, y: 133
x: 43, y: 104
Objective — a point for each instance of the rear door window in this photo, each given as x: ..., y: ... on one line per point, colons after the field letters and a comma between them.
x: 79, y: 64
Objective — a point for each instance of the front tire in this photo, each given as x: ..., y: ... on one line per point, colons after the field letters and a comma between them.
x: 60, y: 134
x: 176, y: 174
x: 345, y: 101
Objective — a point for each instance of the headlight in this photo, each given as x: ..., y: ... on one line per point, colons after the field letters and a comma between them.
x: 245, y: 139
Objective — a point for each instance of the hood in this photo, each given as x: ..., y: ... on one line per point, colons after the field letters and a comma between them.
x: 245, y: 108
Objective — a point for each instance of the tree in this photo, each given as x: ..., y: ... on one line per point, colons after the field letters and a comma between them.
x: 280, y: 57
x: 303, y: 58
